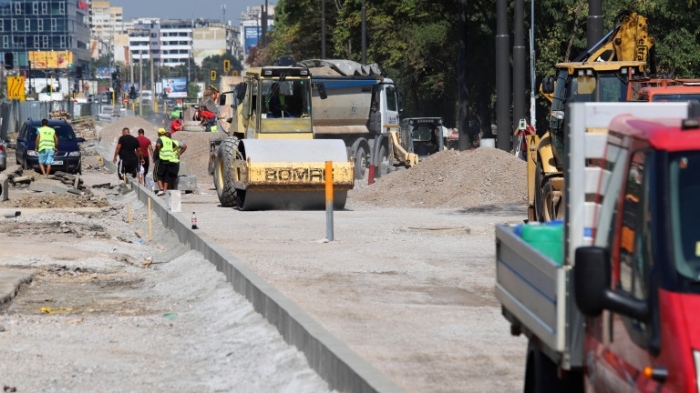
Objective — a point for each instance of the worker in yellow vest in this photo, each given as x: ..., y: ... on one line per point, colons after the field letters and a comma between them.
x: 46, y: 144
x: 166, y: 151
x: 178, y: 149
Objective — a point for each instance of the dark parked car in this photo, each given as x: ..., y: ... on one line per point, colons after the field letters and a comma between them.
x: 67, y: 159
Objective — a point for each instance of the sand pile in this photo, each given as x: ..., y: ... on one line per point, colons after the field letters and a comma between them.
x: 196, y: 156
x: 451, y: 179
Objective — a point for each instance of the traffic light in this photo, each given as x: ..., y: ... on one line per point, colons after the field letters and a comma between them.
x: 227, y: 65
x: 79, y: 72
x: 132, y: 92
x: 213, y: 75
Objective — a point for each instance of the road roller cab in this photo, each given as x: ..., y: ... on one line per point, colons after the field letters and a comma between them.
x: 271, y: 160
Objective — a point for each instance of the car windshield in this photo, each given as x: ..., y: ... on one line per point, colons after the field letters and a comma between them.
x: 684, y: 189
x: 64, y: 132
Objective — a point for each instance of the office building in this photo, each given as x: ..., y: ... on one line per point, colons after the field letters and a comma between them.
x: 46, y: 26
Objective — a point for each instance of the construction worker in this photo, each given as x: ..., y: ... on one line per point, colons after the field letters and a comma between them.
x: 166, y: 150
x: 47, y: 145
x: 174, y: 167
x: 275, y: 101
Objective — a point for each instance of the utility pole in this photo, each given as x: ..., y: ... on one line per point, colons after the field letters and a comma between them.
x: 140, y: 83
x: 153, y: 82
x: 323, y: 29
x: 364, y: 33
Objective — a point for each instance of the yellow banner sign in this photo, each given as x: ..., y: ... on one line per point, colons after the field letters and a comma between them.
x: 15, y: 88
x: 51, y: 60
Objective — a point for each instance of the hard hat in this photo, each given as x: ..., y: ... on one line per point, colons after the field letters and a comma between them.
x: 161, y: 131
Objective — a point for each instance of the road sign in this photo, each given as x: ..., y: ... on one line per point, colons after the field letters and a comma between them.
x: 15, y: 88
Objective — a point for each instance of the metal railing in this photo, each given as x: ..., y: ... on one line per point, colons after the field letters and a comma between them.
x: 14, y: 113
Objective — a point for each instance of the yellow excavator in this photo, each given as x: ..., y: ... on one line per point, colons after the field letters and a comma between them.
x: 601, y: 74
x: 270, y: 159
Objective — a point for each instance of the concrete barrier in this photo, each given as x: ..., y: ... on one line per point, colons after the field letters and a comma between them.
x: 334, y: 361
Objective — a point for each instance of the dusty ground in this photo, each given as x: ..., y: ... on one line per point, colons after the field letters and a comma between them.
x: 108, y: 310
x: 407, y: 284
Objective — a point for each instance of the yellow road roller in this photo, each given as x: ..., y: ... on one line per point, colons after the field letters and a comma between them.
x: 270, y: 159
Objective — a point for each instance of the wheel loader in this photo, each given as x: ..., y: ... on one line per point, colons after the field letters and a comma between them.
x: 270, y: 159
x: 607, y: 72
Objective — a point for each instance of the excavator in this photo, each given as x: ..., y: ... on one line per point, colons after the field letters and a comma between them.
x: 270, y: 159
x: 604, y: 73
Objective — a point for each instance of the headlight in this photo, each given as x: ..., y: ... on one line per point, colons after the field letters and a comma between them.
x: 74, y: 154
x: 32, y: 153
x: 696, y: 358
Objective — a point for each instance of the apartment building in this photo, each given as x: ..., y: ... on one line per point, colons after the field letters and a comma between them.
x: 45, y: 26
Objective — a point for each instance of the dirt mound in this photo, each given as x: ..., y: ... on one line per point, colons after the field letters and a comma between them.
x: 196, y: 157
x: 450, y: 179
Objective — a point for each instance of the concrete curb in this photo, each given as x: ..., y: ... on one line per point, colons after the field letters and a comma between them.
x: 342, y: 368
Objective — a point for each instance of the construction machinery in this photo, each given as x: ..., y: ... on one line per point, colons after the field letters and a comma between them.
x: 422, y: 135
x: 270, y: 159
x: 604, y: 73
x: 362, y: 109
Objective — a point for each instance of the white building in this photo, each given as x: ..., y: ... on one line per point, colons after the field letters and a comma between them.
x: 105, y: 23
x: 167, y: 42
x: 171, y: 42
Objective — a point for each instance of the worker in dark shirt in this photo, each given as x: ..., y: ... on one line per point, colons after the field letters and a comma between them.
x: 129, y: 152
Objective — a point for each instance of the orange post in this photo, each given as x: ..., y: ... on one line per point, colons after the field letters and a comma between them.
x: 328, y: 175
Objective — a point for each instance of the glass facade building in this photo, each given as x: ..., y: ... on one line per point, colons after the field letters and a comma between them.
x: 45, y: 25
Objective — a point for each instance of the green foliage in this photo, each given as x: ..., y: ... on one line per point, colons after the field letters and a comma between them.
x: 416, y: 42
x: 192, y: 91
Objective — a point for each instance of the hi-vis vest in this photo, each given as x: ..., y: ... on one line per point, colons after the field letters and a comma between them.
x: 176, y: 147
x: 166, y: 151
x: 46, y: 141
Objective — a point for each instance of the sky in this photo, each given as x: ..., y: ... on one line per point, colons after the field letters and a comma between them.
x: 186, y: 9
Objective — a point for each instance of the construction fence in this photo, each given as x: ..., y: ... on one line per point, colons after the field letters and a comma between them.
x: 13, y: 113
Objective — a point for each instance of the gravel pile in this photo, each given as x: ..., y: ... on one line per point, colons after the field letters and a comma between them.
x: 450, y: 179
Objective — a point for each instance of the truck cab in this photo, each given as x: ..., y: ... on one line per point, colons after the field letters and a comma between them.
x: 643, y: 329
x: 616, y: 311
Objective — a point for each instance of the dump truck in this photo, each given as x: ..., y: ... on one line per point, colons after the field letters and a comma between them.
x: 270, y: 159
x: 608, y: 298
x: 362, y: 109
x: 604, y: 73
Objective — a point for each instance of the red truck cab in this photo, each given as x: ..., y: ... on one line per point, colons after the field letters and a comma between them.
x: 641, y: 294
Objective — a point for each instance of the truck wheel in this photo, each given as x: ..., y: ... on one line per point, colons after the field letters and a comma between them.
x: 541, y: 375
x: 383, y: 163
x: 222, y: 173
x: 540, y: 372
x: 360, y: 163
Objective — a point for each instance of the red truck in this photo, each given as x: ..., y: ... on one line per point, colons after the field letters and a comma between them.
x: 609, y: 298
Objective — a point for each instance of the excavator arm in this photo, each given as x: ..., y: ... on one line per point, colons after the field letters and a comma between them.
x: 629, y: 41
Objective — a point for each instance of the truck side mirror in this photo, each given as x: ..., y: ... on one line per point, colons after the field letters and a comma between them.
x: 592, y: 290
x: 547, y: 86
x: 240, y: 91
x: 322, y: 90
